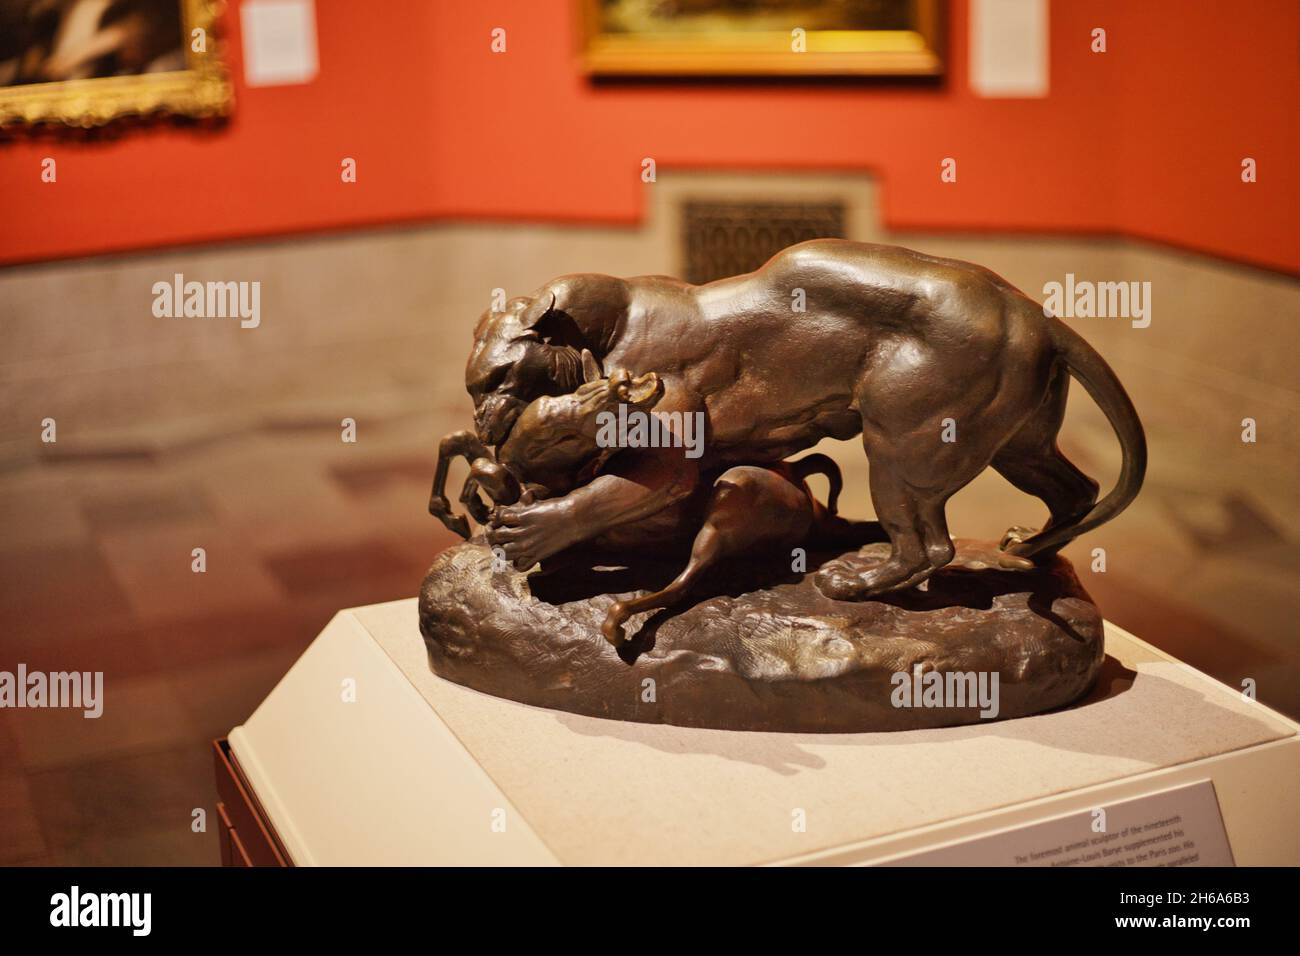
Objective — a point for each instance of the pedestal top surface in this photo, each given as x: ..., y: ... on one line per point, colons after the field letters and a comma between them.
x: 603, y: 791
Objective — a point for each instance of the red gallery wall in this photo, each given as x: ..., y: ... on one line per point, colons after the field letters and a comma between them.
x: 1145, y: 140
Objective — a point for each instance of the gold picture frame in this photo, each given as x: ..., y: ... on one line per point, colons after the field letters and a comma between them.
x: 742, y: 38
x: 201, y: 90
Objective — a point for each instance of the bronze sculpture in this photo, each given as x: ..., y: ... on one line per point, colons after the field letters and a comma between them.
x: 944, y: 367
x: 557, y: 437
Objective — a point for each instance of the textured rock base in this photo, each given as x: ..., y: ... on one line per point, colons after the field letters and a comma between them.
x: 768, y: 652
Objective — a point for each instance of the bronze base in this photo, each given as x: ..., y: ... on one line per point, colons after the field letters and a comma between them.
x: 768, y: 652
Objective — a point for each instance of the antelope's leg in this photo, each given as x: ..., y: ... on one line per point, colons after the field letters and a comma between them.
x: 708, y: 548
x: 460, y: 444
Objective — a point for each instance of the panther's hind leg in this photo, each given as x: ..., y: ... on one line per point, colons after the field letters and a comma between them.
x: 1032, y: 461
x: 932, y: 419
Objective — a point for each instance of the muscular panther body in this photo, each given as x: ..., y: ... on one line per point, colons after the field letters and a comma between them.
x: 942, y: 366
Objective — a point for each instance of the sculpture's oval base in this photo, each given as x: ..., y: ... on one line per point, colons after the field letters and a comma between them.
x: 772, y: 653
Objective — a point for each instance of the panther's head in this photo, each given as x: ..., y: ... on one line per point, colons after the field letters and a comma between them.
x: 533, y: 347
x: 523, y: 352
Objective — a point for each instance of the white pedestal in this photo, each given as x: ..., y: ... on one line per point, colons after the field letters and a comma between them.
x: 416, y: 770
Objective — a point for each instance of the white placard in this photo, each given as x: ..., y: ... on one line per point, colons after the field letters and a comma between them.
x: 279, y: 41
x: 1177, y: 827
x: 1008, y: 48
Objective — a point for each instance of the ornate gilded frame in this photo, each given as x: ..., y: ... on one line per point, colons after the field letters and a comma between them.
x: 201, y: 90
x: 915, y: 52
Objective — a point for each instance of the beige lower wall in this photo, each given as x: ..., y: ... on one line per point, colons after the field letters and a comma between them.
x: 1222, y: 338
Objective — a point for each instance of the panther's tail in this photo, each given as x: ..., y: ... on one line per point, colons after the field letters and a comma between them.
x: 1096, y: 376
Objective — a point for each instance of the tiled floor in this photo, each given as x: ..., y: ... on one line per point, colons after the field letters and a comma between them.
x: 97, y: 576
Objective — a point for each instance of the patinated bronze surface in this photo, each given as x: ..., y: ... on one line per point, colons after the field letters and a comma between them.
x: 942, y: 366
x: 764, y: 649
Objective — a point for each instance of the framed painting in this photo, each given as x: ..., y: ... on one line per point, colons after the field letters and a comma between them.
x: 86, y: 62
x: 762, y: 37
